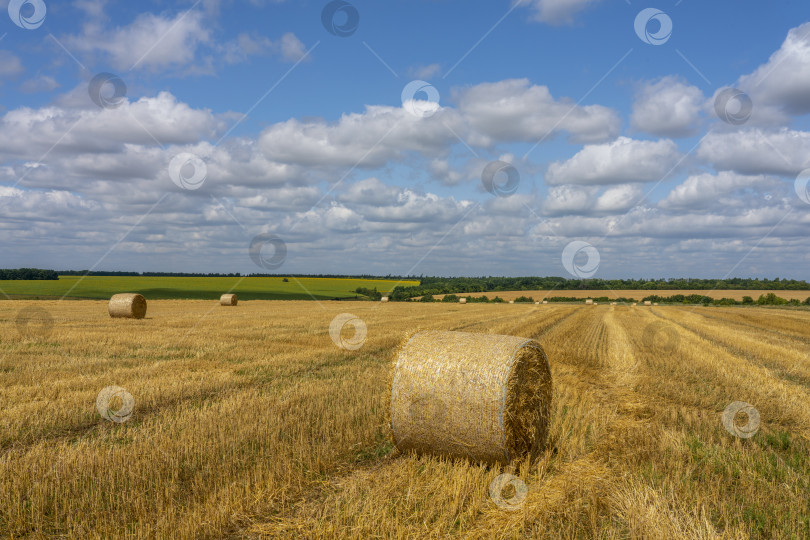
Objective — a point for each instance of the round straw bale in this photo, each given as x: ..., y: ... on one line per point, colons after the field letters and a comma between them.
x: 481, y: 396
x: 462, y: 300
x: 647, y: 303
x: 655, y: 303
x: 127, y: 305
x: 228, y: 300
x: 511, y: 301
x: 589, y: 301
x: 384, y: 299
x: 545, y: 301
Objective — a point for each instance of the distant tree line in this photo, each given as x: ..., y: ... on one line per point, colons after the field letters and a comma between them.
x: 28, y: 273
x: 438, y: 285
x: 769, y: 299
x: 147, y: 274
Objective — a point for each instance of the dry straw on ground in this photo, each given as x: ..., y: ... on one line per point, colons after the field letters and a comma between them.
x: 481, y: 396
x: 127, y: 305
x: 228, y: 300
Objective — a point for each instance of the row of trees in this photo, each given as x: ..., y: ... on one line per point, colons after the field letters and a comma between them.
x: 769, y: 299
x: 434, y: 286
x: 28, y: 273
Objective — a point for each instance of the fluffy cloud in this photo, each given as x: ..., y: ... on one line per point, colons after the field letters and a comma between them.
x: 150, y: 42
x: 707, y: 190
x: 515, y: 110
x: 668, y: 107
x: 10, y: 64
x: 182, y: 44
x: 558, y: 11
x: 622, y: 161
x: 783, y: 83
x: 757, y: 151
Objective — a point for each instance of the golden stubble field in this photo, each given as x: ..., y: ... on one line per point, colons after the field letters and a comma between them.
x: 251, y: 422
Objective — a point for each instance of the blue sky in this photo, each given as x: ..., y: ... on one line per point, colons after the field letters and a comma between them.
x: 250, y: 118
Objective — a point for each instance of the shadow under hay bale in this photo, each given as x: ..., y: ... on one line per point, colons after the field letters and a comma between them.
x: 127, y: 306
x: 480, y: 396
x: 228, y: 300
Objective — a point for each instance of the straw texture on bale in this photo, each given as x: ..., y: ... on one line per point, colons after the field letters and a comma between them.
x: 127, y: 305
x: 228, y: 300
x: 480, y: 396
x: 384, y: 299
x: 462, y: 300
x: 589, y: 302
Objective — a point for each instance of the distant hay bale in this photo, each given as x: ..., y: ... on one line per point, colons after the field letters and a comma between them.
x: 481, y: 396
x: 545, y: 301
x: 384, y: 299
x: 127, y: 305
x: 511, y: 301
x: 613, y: 303
x: 589, y: 302
x: 596, y: 303
x: 537, y: 303
x: 647, y: 303
x: 655, y: 303
x: 228, y: 300
x: 462, y: 300
x: 634, y: 304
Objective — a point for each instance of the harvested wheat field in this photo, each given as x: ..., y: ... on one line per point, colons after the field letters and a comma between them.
x: 253, y: 423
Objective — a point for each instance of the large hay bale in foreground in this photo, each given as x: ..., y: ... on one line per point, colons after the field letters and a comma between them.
x: 228, y: 300
x: 127, y: 305
x: 481, y: 396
